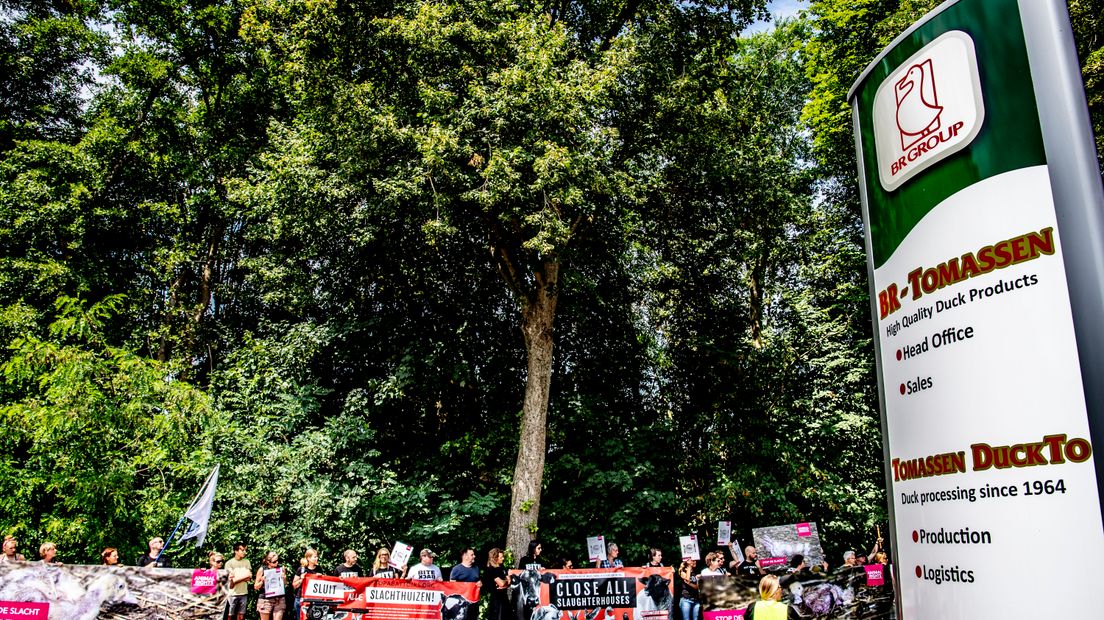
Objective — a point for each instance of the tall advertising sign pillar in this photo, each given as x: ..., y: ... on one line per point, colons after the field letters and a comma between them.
x: 984, y: 219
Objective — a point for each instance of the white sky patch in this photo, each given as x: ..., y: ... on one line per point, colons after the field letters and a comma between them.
x: 778, y: 9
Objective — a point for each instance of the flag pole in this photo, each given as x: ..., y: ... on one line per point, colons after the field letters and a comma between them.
x: 204, y: 491
x: 165, y: 546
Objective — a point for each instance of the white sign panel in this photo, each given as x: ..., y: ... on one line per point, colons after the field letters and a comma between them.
x: 400, y: 555
x: 596, y: 548
x: 724, y: 533
x: 689, y: 546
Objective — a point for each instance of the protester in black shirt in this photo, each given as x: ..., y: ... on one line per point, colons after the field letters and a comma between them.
x: 532, y: 559
x: 686, y: 587
x: 750, y: 565
x: 155, y: 546
x: 497, y: 584
x: 350, y: 568
x: 382, y: 566
x: 307, y: 566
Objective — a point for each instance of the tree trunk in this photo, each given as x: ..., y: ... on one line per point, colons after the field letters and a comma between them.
x: 538, y: 312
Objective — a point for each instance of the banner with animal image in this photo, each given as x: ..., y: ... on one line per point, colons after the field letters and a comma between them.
x: 372, y: 598
x: 778, y: 544
x: 839, y: 594
x: 592, y: 594
x: 32, y: 590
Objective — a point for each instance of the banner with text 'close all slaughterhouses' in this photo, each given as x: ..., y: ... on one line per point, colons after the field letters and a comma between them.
x: 371, y: 598
x: 593, y: 594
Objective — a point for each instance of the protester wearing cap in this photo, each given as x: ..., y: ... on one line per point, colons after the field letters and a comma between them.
x: 425, y: 570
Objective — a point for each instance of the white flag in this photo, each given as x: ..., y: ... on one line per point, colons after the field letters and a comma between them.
x: 200, y: 511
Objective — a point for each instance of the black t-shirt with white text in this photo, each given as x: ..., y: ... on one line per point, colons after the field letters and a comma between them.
x: 348, y: 571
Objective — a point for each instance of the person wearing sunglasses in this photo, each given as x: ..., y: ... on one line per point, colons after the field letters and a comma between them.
x: 714, y: 564
x: 270, y: 583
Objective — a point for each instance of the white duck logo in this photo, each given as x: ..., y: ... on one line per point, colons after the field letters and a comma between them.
x: 918, y: 106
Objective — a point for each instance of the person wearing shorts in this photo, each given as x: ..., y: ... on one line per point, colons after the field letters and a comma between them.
x: 239, y: 571
x: 270, y: 607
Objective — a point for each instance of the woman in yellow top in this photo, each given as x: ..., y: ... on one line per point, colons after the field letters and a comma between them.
x: 770, y: 605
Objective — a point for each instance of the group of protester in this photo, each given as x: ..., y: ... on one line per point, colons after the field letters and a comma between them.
x: 237, y: 574
x: 687, y: 579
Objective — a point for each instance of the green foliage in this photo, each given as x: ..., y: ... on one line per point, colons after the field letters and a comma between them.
x: 104, y: 444
x: 299, y: 239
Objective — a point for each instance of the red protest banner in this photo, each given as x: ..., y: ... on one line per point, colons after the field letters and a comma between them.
x: 371, y: 598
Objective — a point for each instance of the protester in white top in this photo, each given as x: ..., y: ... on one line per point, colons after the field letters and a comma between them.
x: 426, y: 570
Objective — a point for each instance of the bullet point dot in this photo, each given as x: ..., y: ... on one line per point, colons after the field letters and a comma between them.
x: 902, y: 389
x: 915, y: 536
x: 898, y: 355
x: 919, y: 573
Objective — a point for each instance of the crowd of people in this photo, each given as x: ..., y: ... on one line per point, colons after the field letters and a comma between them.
x: 237, y: 574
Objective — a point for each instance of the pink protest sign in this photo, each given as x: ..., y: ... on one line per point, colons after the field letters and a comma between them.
x: 725, y: 614
x: 23, y: 611
x: 204, y: 581
x: 875, y: 574
x: 803, y: 530
x: 774, y: 561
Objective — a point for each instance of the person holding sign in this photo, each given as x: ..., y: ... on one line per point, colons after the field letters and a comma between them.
x: 750, y: 565
x: 307, y: 566
x: 770, y: 605
x: 612, y: 561
x: 655, y: 558
x: 270, y: 582
x: 687, y: 590
x: 382, y: 566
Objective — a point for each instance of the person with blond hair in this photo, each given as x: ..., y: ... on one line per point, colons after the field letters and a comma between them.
x: 714, y: 564
x: 770, y: 605
x: 382, y: 568
x: 270, y: 606
x: 48, y: 551
x: 11, y: 553
x: 496, y: 583
x: 308, y: 565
